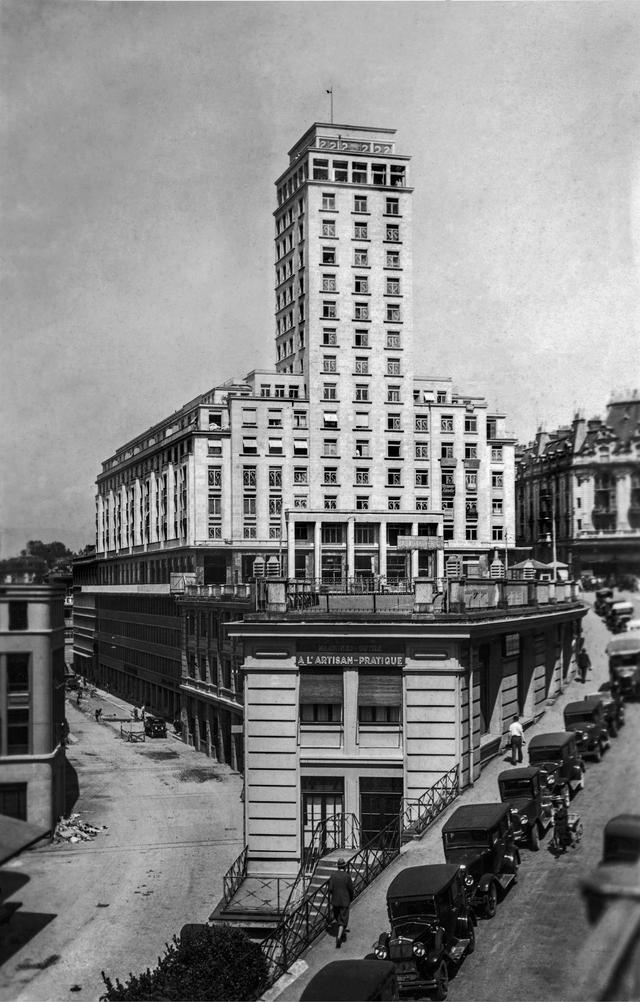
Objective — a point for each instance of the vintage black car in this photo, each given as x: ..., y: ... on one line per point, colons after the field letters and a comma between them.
x: 526, y: 792
x: 618, y: 615
x: 556, y: 755
x: 432, y: 927
x: 602, y: 594
x: 618, y: 873
x: 624, y: 663
x: 155, y: 727
x: 613, y: 704
x: 586, y: 719
x: 353, y: 981
x: 479, y: 839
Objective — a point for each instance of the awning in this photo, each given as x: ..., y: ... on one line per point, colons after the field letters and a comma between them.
x: 17, y: 835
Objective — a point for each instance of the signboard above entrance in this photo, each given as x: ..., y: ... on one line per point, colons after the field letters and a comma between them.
x: 350, y: 661
x: 420, y: 543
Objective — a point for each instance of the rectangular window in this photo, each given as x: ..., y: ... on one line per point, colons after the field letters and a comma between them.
x: 422, y: 424
x: 362, y: 477
x: 215, y: 506
x: 422, y: 478
x: 330, y: 447
x: 393, y: 394
x: 393, y: 504
x: 393, y: 339
x: 392, y: 313
x: 328, y: 255
x: 361, y: 311
x: 361, y: 259
x: 330, y: 502
x: 360, y: 203
x: 274, y: 419
x: 446, y: 422
x: 13, y: 800
x: 422, y: 450
x: 393, y: 366
x: 249, y: 416
x: 249, y: 504
x: 330, y: 391
x: 497, y: 480
x: 362, y: 419
x: 328, y: 227
x: 250, y: 532
x: 358, y: 173
x: 300, y: 447
x: 328, y: 200
x: 471, y: 452
x: 471, y: 482
x: 362, y: 502
x: 393, y: 286
x: 392, y: 259
x: 329, y: 310
x: 249, y: 476
x: 330, y: 475
x: 275, y: 477
x: 446, y: 450
x: 329, y: 336
x: 275, y: 506
x: 365, y: 535
x: 392, y: 206
x: 394, y: 422
x: 320, y: 170
x: 329, y: 363
x: 275, y: 446
x: 394, y: 478
x: 496, y: 506
x: 362, y: 449
x: 18, y: 673
x: 299, y: 419
x: 361, y: 339
x: 361, y: 392
x: 497, y: 533
x: 328, y: 283
x: 215, y: 476
x: 441, y: 397
x: 379, y: 174
x: 496, y: 453
x: 394, y: 450
x: 299, y: 501
x: 300, y: 475
x: 471, y: 533
x: 18, y: 731
x: 362, y: 366
x: 470, y: 423
x: 250, y: 445
x: 330, y: 419
x: 361, y: 284
x: 340, y: 171
x: 393, y: 233
x: 361, y: 231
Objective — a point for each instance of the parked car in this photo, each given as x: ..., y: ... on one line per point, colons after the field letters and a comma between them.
x: 432, y: 927
x: 586, y: 718
x: 602, y: 594
x: 618, y: 873
x: 556, y: 755
x: 624, y: 663
x: 353, y: 981
x: 479, y: 838
x: 612, y: 713
x: 525, y: 791
x: 619, y: 615
x: 155, y: 727
x: 632, y: 626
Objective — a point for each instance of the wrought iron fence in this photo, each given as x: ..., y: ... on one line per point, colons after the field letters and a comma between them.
x: 416, y: 814
x: 234, y: 876
x: 338, y: 831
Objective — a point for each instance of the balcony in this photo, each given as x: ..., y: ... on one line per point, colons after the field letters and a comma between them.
x: 448, y: 462
x: 471, y: 464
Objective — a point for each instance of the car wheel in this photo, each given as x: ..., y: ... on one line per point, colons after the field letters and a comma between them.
x: 491, y: 903
x: 534, y: 837
x: 442, y: 982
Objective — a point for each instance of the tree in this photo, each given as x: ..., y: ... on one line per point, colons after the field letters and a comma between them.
x: 205, y: 964
x: 49, y: 552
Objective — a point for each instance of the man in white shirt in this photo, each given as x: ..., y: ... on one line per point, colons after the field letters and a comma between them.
x: 516, y: 737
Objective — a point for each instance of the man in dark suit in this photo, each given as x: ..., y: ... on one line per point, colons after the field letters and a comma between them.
x: 341, y: 895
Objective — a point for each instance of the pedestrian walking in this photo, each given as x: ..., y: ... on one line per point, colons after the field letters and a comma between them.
x: 561, y: 832
x: 143, y: 713
x: 516, y: 739
x: 341, y: 896
x: 98, y: 714
x: 135, y: 713
x: 78, y: 698
x: 584, y: 662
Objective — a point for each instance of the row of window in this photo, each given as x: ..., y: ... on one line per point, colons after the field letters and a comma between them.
x: 360, y: 203
x: 361, y: 338
x: 361, y: 365
x: 361, y: 311
x: 328, y: 230
x: 360, y: 285
x: 360, y: 258
x: 359, y: 172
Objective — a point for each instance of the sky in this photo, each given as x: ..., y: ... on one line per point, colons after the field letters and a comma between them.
x: 140, y: 143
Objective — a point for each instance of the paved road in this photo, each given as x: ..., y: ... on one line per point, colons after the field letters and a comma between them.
x: 174, y: 826
x: 527, y: 950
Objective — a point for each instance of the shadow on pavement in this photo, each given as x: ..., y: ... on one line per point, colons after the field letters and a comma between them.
x: 10, y: 882
x: 71, y: 788
x: 20, y: 930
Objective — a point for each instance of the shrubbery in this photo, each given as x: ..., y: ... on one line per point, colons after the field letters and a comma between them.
x: 210, y: 964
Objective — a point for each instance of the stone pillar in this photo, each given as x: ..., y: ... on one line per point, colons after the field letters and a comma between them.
x: 350, y: 569
x: 623, y: 498
x: 382, y: 549
x: 317, y: 549
x: 291, y: 548
x: 220, y: 748
x: 414, y: 553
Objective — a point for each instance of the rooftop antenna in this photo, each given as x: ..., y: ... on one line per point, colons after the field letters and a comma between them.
x: 330, y: 92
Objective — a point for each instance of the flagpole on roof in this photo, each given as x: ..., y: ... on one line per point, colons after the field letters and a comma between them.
x: 330, y: 92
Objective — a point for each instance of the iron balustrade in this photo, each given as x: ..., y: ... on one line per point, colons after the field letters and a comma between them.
x: 234, y: 876
x: 417, y: 813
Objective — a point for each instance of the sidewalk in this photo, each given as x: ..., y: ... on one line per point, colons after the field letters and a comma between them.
x: 110, y: 705
x: 369, y: 912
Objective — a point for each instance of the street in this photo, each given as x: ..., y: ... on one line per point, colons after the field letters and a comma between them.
x: 174, y: 826
x: 527, y: 951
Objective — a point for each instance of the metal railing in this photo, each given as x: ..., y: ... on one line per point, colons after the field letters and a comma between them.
x: 234, y: 876
x: 338, y: 831
x: 417, y: 813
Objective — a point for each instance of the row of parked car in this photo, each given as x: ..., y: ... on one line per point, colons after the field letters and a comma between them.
x: 618, y: 613
x: 433, y: 910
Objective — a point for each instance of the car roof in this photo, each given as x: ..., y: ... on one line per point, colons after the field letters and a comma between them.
x: 580, y: 705
x: 555, y: 739
x: 623, y: 826
x: 348, y: 980
x: 622, y: 604
x: 421, y: 881
x: 526, y: 772
x: 633, y: 624
x: 623, y: 645
x: 476, y: 816
x: 604, y: 591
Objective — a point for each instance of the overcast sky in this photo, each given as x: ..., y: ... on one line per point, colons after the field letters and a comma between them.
x: 140, y: 143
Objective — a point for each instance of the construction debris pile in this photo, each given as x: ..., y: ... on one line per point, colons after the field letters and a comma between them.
x: 72, y: 829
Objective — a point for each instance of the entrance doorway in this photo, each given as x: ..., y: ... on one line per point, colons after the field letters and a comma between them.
x: 380, y: 802
x: 323, y: 801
